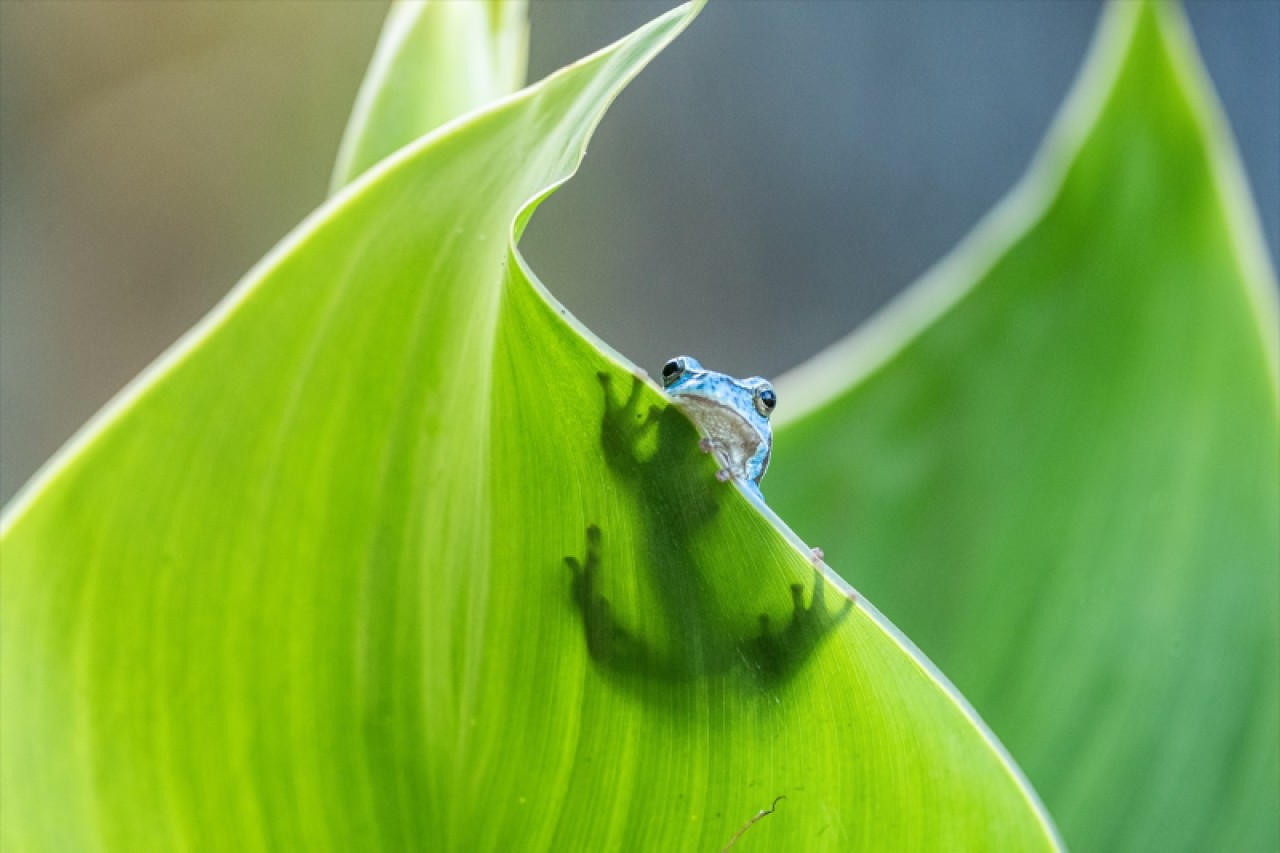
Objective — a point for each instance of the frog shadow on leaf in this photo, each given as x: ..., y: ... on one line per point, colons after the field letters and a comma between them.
x: 653, y: 452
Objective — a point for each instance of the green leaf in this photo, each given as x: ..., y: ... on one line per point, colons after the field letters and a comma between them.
x: 1054, y: 462
x: 435, y: 61
x: 390, y: 553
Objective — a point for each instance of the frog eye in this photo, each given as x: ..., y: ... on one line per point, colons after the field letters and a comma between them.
x: 765, y: 400
x: 673, y: 370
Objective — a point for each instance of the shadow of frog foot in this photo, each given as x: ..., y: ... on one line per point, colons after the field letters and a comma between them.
x: 607, y: 641
x: 585, y: 572
x: 780, y: 655
x: 624, y: 424
x: 815, y: 618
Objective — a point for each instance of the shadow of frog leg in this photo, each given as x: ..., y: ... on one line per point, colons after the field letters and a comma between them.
x: 608, y: 642
x: 781, y: 655
x: 624, y: 425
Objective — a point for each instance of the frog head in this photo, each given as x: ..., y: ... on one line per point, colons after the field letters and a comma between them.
x: 732, y: 415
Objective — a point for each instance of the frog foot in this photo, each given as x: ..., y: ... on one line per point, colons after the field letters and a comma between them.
x: 708, y: 446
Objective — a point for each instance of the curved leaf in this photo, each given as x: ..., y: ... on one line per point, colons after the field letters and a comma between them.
x: 389, y: 554
x: 1055, y: 463
x: 435, y: 61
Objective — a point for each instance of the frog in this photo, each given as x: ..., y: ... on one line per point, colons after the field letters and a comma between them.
x: 732, y: 415
x: 697, y: 629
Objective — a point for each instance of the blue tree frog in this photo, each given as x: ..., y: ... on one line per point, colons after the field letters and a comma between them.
x: 695, y: 631
x: 732, y: 415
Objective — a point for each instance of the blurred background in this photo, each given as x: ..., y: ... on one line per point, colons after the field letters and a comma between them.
x: 778, y: 173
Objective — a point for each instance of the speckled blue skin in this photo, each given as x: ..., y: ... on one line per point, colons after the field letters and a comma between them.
x: 728, y: 413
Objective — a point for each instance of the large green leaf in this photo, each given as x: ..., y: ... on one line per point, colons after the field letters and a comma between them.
x: 1054, y: 462
x: 388, y: 553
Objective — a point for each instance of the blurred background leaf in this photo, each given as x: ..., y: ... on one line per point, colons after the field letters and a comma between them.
x: 1056, y: 463
x: 435, y: 61
x: 333, y: 574
x: 151, y: 152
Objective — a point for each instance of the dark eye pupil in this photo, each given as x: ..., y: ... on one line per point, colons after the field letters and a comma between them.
x: 670, y: 371
x: 769, y: 399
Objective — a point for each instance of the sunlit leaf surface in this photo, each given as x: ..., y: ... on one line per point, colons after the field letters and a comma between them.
x: 436, y: 60
x: 389, y: 553
x: 1054, y: 463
